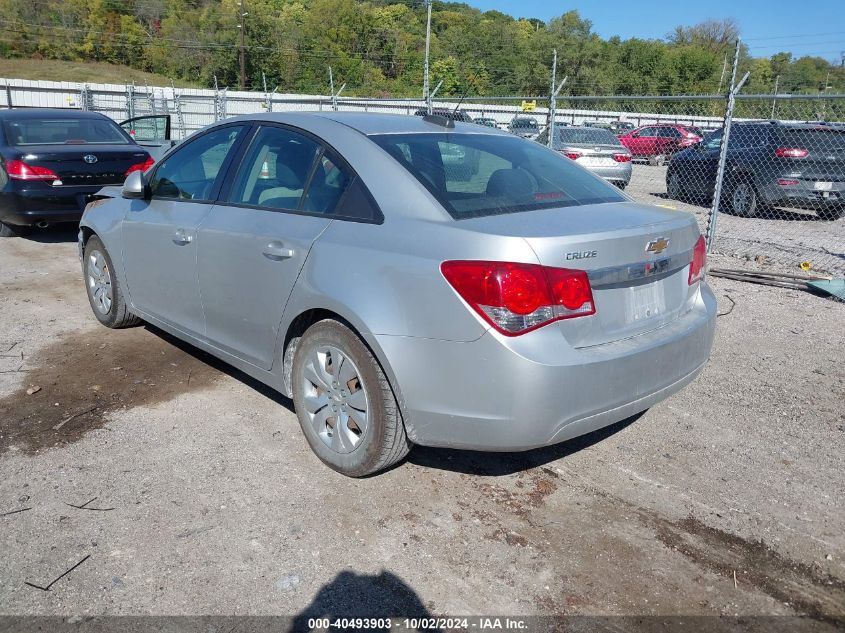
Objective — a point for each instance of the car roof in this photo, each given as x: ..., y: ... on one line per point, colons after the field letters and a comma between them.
x: 369, y: 123
x: 53, y: 113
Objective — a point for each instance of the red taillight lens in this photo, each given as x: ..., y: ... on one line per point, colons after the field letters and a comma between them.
x: 699, y: 260
x: 140, y: 166
x: 786, y: 182
x: 791, y: 152
x: 518, y: 298
x: 622, y: 158
x: 19, y: 170
x: 573, y: 155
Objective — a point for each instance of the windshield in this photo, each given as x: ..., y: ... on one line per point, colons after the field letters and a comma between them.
x: 587, y: 136
x: 476, y: 175
x: 64, y: 132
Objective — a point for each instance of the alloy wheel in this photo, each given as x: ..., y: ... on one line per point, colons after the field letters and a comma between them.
x: 335, y: 399
x: 99, y: 282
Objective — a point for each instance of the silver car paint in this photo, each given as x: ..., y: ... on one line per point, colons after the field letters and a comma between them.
x: 457, y: 382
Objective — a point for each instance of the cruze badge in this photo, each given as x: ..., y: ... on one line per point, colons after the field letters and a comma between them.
x: 581, y: 255
x: 657, y: 246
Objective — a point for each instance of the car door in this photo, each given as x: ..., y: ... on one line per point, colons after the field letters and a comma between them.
x: 159, y: 234
x: 152, y: 132
x: 252, y: 246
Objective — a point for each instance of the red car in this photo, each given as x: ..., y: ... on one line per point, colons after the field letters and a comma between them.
x: 659, y: 141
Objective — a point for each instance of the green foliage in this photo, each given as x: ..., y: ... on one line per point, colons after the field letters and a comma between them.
x: 377, y: 47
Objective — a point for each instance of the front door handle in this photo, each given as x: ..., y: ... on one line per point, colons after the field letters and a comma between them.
x: 277, y: 251
x: 181, y: 237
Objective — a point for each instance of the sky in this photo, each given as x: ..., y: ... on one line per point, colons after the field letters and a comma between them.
x: 811, y: 27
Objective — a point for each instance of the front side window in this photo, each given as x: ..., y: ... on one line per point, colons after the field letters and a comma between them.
x: 64, y: 131
x: 190, y: 172
x: 475, y: 175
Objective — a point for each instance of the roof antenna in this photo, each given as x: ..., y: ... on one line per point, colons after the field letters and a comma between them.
x: 457, y: 107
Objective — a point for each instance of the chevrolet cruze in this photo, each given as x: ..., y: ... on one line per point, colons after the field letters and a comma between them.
x: 406, y: 280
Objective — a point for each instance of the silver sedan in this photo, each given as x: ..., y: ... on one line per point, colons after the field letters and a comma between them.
x: 406, y: 280
x: 595, y: 149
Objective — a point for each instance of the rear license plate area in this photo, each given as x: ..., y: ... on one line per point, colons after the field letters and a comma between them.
x: 645, y: 301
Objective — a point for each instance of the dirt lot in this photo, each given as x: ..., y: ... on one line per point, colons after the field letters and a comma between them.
x: 190, y: 489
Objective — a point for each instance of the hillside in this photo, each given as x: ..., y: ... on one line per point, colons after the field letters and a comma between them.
x: 82, y: 72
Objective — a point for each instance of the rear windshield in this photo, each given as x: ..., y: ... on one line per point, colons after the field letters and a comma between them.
x: 476, y: 175
x: 821, y: 139
x: 526, y: 123
x: 587, y: 136
x: 64, y: 132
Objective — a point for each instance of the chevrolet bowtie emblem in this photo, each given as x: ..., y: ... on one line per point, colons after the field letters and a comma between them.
x: 657, y: 246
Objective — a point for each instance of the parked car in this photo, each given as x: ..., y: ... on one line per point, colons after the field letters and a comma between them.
x: 768, y: 163
x: 524, y: 127
x: 657, y: 142
x: 333, y: 257
x: 449, y: 113
x: 487, y: 122
x: 52, y: 162
x: 621, y: 127
x: 595, y: 149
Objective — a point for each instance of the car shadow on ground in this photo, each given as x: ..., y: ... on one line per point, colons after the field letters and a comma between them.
x: 774, y: 213
x: 223, y: 367
x: 53, y: 234
x: 501, y: 464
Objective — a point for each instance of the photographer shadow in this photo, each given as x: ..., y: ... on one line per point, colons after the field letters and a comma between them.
x: 352, y: 595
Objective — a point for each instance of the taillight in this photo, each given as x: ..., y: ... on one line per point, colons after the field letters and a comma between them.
x: 786, y: 182
x: 699, y: 260
x: 140, y: 166
x: 622, y: 158
x: 518, y: 298
x: 573, y: 155
x: 791, y: 152
x: 19, y: 170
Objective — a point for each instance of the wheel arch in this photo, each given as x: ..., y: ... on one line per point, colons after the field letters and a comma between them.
x: 297, y: 326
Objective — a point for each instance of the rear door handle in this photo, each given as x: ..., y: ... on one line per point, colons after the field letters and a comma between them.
x: 277, y: 251
x: 181, y: 237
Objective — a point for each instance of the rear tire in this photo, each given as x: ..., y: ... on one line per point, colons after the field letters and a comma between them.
x: 831, y: 213
x: 11, y: 230
x: 744, y: 200
x: 104, y: 292
x: 344, y: 402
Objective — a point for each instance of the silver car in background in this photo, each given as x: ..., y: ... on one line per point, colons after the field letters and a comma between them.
x: 596, y: 149
x: 406, y: 280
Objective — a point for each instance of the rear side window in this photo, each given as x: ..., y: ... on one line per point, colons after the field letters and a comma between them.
x: 474, y: 175
x: 190, y: 172
x: 820, y: 139
x: 64, y: 131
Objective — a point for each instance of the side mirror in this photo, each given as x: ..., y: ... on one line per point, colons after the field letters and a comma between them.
x: 135, y: 186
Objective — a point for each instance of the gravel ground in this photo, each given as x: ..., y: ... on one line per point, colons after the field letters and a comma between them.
x: 190, y: 489
x: 782, y: 240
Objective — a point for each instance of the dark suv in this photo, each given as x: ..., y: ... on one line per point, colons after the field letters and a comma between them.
x: 768, y: 163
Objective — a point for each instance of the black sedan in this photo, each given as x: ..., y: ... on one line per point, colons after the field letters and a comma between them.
x: 52, y: 162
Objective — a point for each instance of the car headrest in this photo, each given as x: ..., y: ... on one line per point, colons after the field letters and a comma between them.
x: 513, y: 182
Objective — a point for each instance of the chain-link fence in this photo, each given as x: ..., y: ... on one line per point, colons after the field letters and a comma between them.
x: 782, y: 171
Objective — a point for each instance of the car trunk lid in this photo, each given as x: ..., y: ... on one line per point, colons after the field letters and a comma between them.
x: 85, y: 164
x: 823, y: 150
x: 636, y: 256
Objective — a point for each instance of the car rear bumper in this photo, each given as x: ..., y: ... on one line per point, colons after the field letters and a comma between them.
x: 803, y: 193
x: 31, y: 205
x: 616, y: 173
x: 490, y: 395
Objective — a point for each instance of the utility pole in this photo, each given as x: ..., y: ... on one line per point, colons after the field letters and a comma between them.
x: 242, y: 48
x: 427, y: 46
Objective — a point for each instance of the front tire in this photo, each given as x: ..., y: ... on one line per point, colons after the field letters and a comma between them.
x: 104, y: 292
x: 674, y: 188
x: 344, y: 402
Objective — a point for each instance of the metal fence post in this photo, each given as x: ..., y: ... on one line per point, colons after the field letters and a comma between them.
x: 130, y: 101
x: 553, y: 100
x: 429, y: 102
x: 86, y: 100
x: 9, y: 97
x: 723, y: 151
